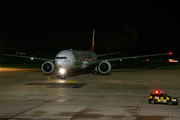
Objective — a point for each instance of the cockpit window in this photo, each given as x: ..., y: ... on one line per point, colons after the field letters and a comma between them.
x: 61, y: 57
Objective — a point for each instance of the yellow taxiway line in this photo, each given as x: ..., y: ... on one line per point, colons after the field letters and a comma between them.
x: 48, y: 78
x: 57, y: 81
x: 39, y: 87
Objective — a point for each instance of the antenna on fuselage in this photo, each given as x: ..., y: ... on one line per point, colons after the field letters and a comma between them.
x: 93, y: 41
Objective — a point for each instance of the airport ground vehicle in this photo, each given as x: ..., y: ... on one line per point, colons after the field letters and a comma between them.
x: 161, y: 97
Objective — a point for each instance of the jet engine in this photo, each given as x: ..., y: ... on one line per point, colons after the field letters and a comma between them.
x: 48, y: 67
x: 104, y: 67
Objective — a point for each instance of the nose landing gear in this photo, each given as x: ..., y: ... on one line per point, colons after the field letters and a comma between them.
x: 62, y: 73
x: 63, y: 76
x: 96, y: 72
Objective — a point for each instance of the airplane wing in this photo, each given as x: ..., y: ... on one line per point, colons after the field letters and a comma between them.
x: 122, y: 58
x: 107, y: 54
x: 37, y: 58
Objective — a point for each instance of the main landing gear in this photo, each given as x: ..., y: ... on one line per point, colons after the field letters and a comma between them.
x: 96, y: 72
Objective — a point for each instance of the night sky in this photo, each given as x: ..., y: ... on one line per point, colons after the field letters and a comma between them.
x: 127, y: 27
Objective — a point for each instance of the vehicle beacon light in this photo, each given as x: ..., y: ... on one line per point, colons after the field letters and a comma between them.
x: 157, y: 91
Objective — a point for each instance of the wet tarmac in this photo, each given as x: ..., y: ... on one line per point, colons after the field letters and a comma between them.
x: 28, y: 94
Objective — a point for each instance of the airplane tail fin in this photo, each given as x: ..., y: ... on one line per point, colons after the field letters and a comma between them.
x: 92, y: 44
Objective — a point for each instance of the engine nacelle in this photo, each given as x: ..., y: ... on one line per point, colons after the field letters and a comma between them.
x: 48, y: 67
x: 104, y: 67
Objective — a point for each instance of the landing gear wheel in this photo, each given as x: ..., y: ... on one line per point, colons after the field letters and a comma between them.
x: 96, y: 72
x: 63, y: 77
x: 169, y: 103
x: 152, y: 101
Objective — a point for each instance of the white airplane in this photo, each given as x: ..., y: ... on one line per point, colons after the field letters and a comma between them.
x: 67, y: 60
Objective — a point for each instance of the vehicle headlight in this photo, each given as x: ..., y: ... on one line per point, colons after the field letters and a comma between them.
x: 174, y: 100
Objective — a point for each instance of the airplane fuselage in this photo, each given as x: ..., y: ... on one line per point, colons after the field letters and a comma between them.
x: 74, y: 59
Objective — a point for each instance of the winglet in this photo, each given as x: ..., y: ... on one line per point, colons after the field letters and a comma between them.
x: 92, y: 44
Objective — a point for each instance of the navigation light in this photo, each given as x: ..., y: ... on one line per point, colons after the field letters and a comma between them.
x: 170, y: 53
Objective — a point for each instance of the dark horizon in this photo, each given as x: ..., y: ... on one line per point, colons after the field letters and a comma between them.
x: 143, y: 28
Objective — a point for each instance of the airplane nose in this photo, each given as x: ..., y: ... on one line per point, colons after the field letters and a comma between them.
x: 58, y: 63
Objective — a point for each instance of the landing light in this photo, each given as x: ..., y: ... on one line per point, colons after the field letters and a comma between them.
x: 62, y: 71
x: 32, y: 58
